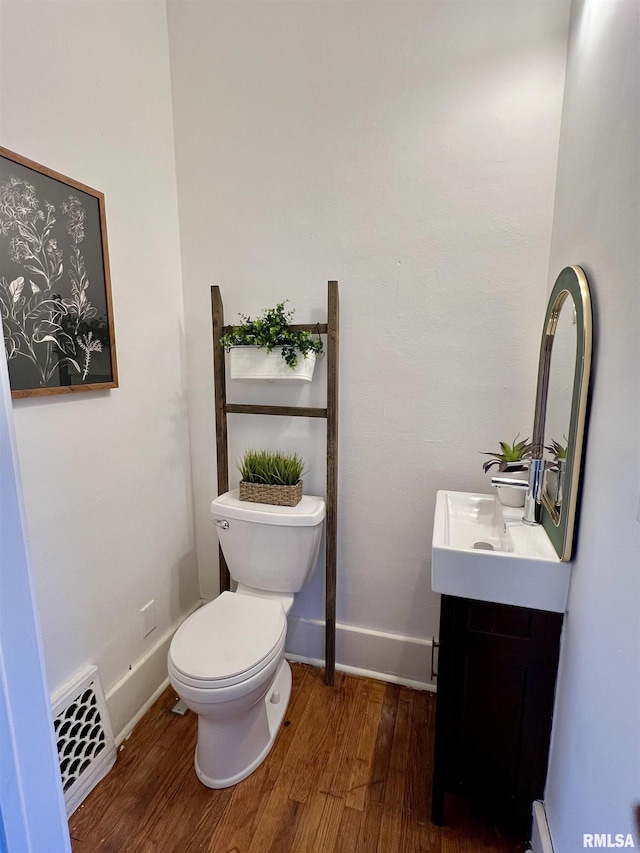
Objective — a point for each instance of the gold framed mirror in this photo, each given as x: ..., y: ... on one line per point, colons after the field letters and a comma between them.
x: 561, y: 403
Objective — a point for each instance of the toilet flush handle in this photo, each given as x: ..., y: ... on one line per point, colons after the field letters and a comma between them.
x: 222, y: 522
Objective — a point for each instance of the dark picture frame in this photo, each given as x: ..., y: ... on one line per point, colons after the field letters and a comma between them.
x: 55, y: 283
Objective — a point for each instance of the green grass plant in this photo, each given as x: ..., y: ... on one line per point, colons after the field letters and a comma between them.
x: 271, y: 467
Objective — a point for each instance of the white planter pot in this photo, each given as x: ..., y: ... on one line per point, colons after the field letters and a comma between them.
x: 257, y: 363
x: 510, y: 496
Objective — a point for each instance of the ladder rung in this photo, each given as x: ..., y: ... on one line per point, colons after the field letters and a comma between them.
x: 317, y: 328
x: 287, y: 411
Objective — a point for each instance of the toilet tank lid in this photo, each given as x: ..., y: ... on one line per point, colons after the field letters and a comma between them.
x: 308, y: 513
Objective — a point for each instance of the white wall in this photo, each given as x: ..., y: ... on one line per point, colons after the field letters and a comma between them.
x: 593, y: 784
x: 32, y: 813
x: 409, y: 151
x: 86, y: 91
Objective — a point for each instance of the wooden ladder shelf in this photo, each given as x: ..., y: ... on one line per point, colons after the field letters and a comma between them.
x: 330, y: 413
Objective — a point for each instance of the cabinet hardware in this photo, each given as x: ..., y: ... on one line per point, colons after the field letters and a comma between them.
x: 435, y: 644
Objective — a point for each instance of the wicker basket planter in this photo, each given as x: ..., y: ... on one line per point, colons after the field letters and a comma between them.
x: 263, y: 493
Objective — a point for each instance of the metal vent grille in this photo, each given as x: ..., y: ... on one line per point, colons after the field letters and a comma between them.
x: 80, y: 736
x: 86, y: 749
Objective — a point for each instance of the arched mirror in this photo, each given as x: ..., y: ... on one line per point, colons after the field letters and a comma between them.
x: 561, y: 403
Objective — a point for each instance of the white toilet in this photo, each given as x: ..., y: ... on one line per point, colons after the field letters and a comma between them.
x: 226, y: 661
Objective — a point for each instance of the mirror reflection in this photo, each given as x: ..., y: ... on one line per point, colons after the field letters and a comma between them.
x: 559, y: 399
x: 561, y: 404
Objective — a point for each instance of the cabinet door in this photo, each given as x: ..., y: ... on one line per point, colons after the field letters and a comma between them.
x: 498, y: 683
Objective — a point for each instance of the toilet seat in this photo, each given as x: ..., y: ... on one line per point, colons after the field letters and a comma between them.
x: 227, y: 641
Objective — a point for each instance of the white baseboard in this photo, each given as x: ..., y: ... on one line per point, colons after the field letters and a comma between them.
x: 130, y: 698
x: 540, y: 835
x: 388, y: 657
x: 360, y: 651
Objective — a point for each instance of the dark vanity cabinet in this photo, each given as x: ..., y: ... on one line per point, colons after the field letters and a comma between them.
x: 497, y: 669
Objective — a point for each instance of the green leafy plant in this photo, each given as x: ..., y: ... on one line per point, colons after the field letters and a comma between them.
x: 510, y: 455
x: 558, y: 451
x: 273, y: 329
x: 272, y: 468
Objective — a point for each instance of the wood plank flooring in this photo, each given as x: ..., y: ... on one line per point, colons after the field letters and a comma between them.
x: 350, y: 772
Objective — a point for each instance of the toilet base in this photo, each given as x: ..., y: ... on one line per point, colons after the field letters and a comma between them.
x: 242, y: 745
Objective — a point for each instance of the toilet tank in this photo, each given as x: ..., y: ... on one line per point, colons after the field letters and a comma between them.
x: 272, y: 548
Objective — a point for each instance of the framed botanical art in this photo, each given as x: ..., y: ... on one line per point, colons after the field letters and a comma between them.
x: 55, y: 288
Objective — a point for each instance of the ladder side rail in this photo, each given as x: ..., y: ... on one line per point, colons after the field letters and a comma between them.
x: 333, y: 323
x: 220, y: 395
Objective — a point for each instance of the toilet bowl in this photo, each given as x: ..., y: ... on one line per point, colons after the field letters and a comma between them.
x: 226, y: 661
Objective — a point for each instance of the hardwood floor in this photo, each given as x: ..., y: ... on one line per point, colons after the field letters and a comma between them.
x: 350, y: 772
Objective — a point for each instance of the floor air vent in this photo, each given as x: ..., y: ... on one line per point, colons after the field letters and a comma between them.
x: 86, y: 748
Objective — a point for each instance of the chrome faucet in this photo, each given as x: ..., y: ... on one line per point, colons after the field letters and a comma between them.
x: 533, y: 486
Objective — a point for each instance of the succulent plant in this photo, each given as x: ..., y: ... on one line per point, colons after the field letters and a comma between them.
x: 557, y: 450
x: 510, y: 455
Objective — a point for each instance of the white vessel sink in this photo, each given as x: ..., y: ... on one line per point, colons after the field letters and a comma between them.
x: 483, y: 550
